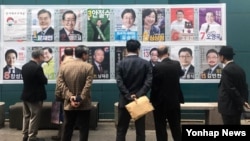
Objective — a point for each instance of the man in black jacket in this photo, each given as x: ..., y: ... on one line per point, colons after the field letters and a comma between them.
x: 166, y: 96
x: 33, y: 95
x: 134, y: 78
x: 233, y: 89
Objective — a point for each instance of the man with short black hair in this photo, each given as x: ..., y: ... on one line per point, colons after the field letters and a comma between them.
x: 134, y: 79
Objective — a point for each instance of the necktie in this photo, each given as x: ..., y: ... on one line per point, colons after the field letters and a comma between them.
x: 207, y: 28
x: 100, y: 68
x: 11, y: 71
x: 184, y: 70
x: 209, y: 71
x: 43, y: 33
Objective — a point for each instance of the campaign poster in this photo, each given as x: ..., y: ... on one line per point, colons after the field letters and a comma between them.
x: 145, y: 52
x: 50, y: 63
x: 120, y: 53
x: 153, y: 24
x: 186, y: 56
x: 98, y: 25
x: 42, y: 22
x: 99, y: 57
x: 182, y: 24
x: 126, y: 24
x: 71, y: 27
x: 14, y: 58
x: 210, y: 65
x: 15, y: 25
x: 210, y: 20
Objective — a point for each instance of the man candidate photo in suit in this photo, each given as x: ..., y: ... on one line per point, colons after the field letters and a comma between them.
x: 186, y: 57
x: 47, y: 32
x: 67, y: 33
x: 214, y: 70
x: 10, y: 71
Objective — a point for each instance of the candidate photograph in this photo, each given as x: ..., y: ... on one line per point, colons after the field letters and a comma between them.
x: 42, y: 25
x: 126, y: 24
x: 98, y: 25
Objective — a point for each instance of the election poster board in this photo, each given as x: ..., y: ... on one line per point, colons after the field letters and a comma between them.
x: 199, y: 27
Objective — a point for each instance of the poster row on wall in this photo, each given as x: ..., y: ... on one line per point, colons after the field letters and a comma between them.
x: 105, y: 29
x: 147, y: 23
x: 200, y: 62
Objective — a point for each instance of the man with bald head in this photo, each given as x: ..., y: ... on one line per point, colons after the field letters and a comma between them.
x: 166, y: 95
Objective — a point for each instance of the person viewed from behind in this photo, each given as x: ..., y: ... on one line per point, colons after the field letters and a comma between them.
x: 153, y: 56
x: 166, y: 96
x: 76, y: 87
x: 67, y: 57
x: 33, y: 95
x: 134, y: 79
x: 233, y: 89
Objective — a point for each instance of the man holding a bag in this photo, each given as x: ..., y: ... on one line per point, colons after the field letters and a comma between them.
x: 134, y: 79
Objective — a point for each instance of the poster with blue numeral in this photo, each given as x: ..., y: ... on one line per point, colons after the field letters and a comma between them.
x: 210, y: 20
x: 126, y: 27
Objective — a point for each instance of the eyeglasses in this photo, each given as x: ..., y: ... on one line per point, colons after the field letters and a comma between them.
x: 70, y: 20
x: 184, y: 56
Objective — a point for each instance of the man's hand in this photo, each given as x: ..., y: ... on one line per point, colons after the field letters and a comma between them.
x: 247, y: 105
x: 133, y: 96
x: 73, y: 102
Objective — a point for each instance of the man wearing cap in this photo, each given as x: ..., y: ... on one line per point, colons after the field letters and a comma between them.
x: 233, y: 89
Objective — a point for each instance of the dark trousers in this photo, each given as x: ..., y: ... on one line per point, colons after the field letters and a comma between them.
x: 231, y: 119
x: 173, y: 116
x: 123, y: 123
x: 79, y: 118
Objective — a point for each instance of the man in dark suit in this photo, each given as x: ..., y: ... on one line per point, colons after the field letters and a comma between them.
x: 166, y: 96
x: 233, y: 89
x: 67, y: 33
x: 134, y: 79
x: 33, y: 95
x: 47, y: 32
x: 214, y: 70
x: 10, y: 72
x: 186, y: 57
